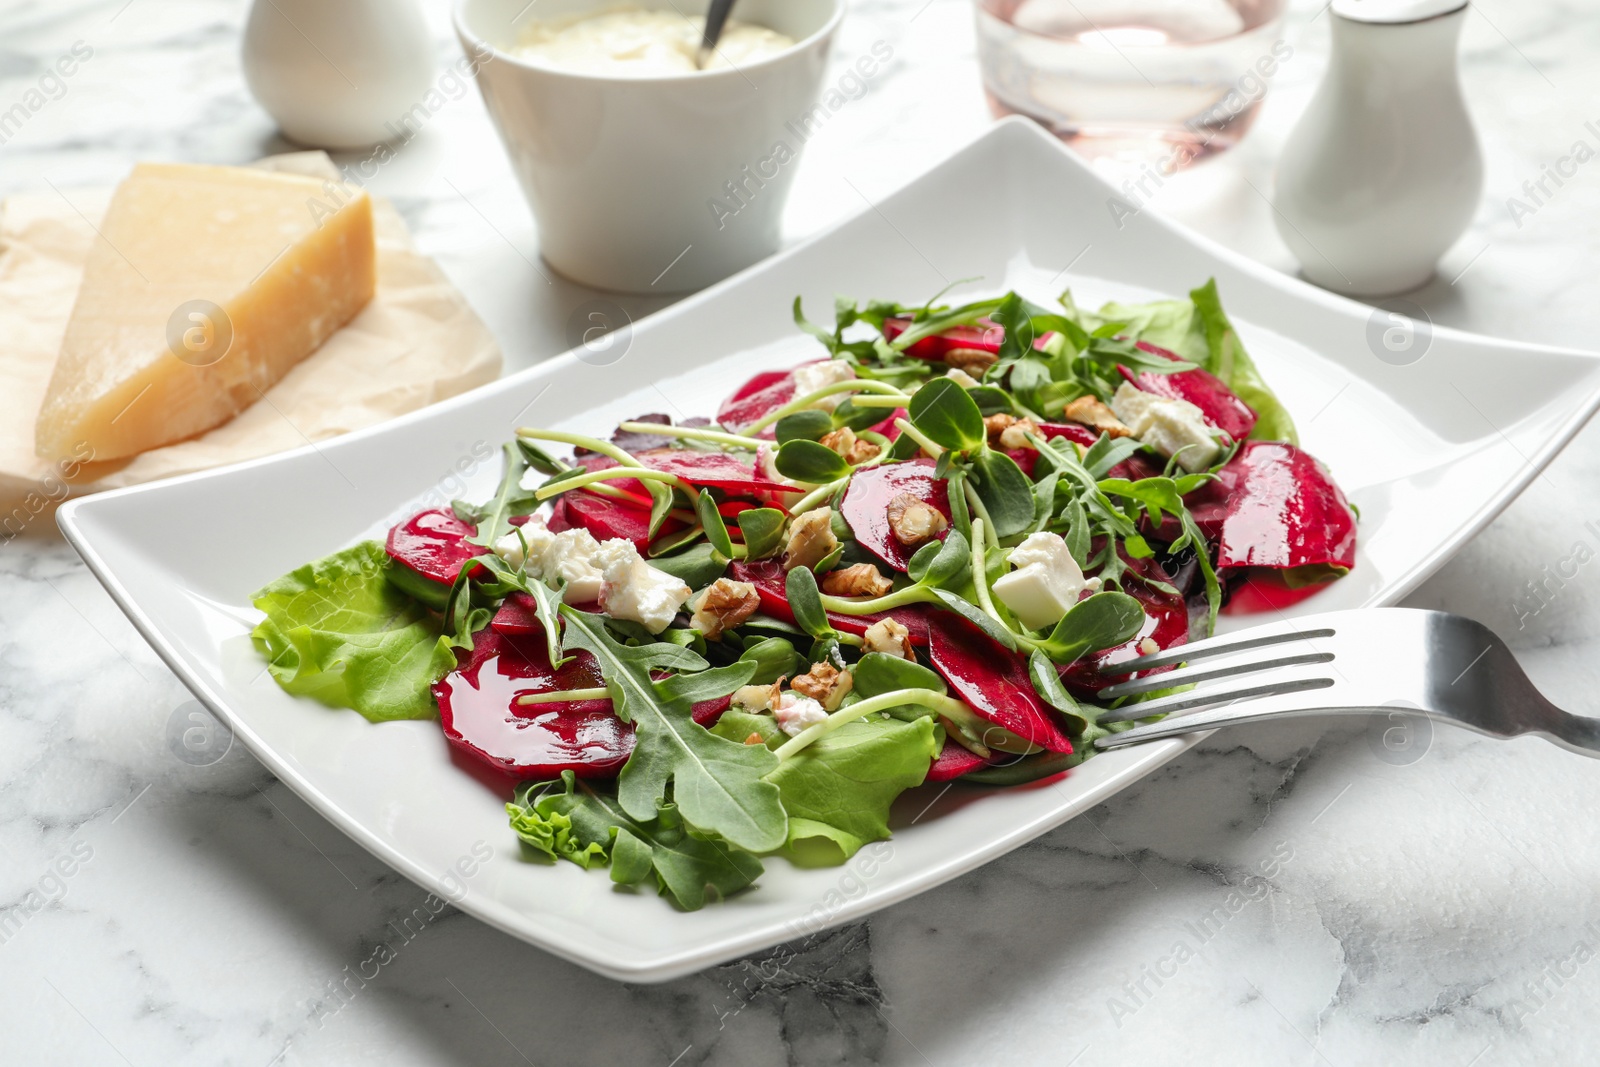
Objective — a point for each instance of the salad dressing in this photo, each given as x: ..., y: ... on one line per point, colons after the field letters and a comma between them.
x: 637, y: 43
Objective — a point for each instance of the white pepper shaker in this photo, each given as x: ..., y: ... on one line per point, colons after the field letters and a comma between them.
x: 1383, y: 173
x: 340, y: 73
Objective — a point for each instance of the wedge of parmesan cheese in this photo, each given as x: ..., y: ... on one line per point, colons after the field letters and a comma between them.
x: 205, y: 285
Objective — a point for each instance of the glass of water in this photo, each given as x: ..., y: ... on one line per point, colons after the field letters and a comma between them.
x: 1133, y: 82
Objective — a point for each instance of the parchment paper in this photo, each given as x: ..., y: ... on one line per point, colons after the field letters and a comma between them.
x: 416, y: 343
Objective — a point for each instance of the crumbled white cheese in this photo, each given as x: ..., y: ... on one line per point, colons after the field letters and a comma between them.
x: 962, y: 378
x: 632, y: 589
x: 1148, y: 647
x: 569, y: 558
x: 1170, y: 426
x: 1045, y: 584
x: 795, y: 713
x: 537, y: 539
x: 813, y: 376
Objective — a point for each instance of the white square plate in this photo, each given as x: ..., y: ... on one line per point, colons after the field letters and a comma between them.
x: 1429, y: 451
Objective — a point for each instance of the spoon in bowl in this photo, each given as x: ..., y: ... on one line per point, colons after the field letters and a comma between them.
x: 716, y: 19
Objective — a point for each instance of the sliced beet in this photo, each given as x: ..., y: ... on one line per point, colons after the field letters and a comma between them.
x: 1075, y: 432
x: 1284, y: 511
x: 765, y: 392
x: 717, y: 470
x: 633, y: 441
x: 866, y: 505
x: 480, y: 714
x: 606, y: 518
x: 434, y: 544
x: 479, y: 710
x: 985, y: 335
x: 888, y: 427
x: 952, y: 762
x: 517, y: 616
x: 768, y: 576
x: 982, y: 336
x: 1025, y: 459
x: 993, y: 680
x: 1220, y: 405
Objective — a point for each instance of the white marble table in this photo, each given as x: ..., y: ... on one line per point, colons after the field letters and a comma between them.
x: 1333, y: 906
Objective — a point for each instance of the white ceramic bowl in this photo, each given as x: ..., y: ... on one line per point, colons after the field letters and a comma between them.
x: 652, y: 184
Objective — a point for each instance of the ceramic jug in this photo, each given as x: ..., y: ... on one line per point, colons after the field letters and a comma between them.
x: 1383, y: 172
x: 339, y: 73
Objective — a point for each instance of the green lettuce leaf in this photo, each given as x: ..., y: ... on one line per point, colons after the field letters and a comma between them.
x: 1198, y: 330
x: 838, y: 790
x: 339, y: 631
x: 572, y: 821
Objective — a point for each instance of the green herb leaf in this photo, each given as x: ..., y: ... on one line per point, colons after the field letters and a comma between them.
x: 1047, y: 683
x: 939, y: 563
x: 339, y: 631
x: 763, y: 531
x: 710, y: 518
x: 805, y: 425
x: 944, y: 412
x: 838, y: 790
x: 698, y: 565
x: 510, y: 499
x: 715, y: 782
x: 684, y: 863
x: 1103, y: 620
x: 774, y: 658
x: 805, y: 600
x: 808, y: 461
x: 1005, y: 491
x: 713, y: 684
x: 977, y: 616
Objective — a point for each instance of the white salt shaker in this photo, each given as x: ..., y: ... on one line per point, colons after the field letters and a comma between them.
x: 1383, y: 172
x: 339, y: 73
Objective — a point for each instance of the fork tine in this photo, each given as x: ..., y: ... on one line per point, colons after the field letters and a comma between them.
x: 1217, y: 646
x: 1192, y: 673
x: 1208, y: 697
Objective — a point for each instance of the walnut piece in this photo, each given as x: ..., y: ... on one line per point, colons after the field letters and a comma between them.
x: 913, y: 521
x: 810, y: 539
x: 888, y: 637
x: 825, y: 684
x: 971, y: 360
x: 758, y: 697
x: 1091, y: 411
x: 723, y: 605
x: 995, y: 424
x: 858, y: 579
x: 1015, y: 436
x: 845, y: 443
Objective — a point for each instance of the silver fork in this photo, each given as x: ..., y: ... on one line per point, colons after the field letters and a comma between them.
x: 1373, y: 660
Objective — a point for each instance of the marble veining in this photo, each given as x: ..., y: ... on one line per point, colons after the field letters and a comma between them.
x: 1286, y: 894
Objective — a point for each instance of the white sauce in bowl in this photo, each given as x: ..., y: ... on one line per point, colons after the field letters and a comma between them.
x: 638, y: 43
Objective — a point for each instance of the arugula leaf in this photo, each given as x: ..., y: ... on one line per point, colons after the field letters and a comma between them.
x: 715, y: 782
x: 510, y: 499
x: 713, y: 684
x: 580, y: 824
x: 838, y: 790
x: 339, y: 631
